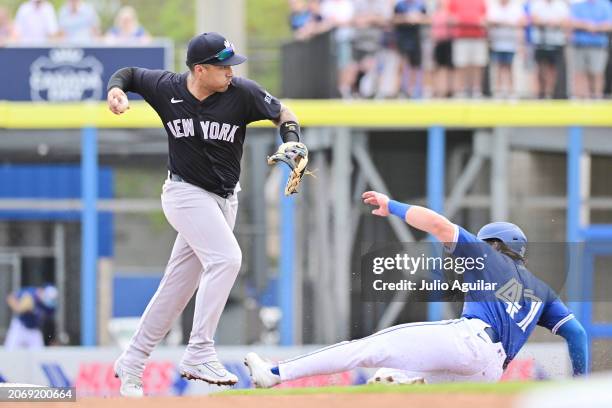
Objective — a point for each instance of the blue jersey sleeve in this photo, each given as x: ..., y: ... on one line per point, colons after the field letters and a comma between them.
x: 577, y: 345
x: 465, y: 244
x: 555, y: 313
x: 26, y: 291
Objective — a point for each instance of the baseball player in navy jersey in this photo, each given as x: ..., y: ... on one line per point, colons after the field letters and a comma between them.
x: 476, y: 347
x: 31, y: 306
x: 205, y: 112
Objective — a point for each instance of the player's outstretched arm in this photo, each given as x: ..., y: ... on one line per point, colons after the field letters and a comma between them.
x: 20, y: 305
x: 13, y: 303
x: 577, y: 345
x: 418, y: 217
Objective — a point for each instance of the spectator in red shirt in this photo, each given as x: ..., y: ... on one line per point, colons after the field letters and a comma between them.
x: 470, y: 50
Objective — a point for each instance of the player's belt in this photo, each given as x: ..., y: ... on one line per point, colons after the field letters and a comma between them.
x: 489, y: 331
x: 175, y: 177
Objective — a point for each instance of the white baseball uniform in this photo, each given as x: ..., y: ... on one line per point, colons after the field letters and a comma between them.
x: 444, y: 351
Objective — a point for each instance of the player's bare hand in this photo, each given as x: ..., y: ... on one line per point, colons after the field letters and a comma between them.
x: 117, y: 101
x: 379, y: 200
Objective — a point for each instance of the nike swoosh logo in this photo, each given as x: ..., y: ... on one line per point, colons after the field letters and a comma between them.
x: 176, y: 100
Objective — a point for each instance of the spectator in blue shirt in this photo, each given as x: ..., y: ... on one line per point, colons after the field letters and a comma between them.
x: 127, y: 28
x: 79, y: 22
x: 304, y: 18
x: 591, y: 23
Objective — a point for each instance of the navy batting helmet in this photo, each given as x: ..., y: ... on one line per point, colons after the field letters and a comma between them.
x: 506, y: 232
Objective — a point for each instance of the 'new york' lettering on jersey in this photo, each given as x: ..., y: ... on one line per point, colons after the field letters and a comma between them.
x: 210, y: 130
x: 520, y: 304
x: 205, y: 138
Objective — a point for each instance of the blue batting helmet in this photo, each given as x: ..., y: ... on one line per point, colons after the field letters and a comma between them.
x: 48, y: 296
x: 506, y: 232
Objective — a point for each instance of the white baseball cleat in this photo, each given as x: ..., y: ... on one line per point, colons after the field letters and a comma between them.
x: 212, y: 372
x: 389, y: 376
x: 261, y: 371
x: 131, y: 385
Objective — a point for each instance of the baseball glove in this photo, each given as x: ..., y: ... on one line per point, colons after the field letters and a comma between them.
x: 294, y: 155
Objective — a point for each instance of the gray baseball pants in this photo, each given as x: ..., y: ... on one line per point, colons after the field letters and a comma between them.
x: 206, y: 257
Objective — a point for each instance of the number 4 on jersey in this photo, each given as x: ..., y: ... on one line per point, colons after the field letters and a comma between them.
x: 511, y: 293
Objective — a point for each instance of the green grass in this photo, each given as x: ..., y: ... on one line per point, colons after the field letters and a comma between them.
x: 474, y: 388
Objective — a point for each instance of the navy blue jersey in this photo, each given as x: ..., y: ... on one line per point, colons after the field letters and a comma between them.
x: 521, y: 300
x: 205, y: 138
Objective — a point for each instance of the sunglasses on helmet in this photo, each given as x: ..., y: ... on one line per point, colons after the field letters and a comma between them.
x: 220, y: 56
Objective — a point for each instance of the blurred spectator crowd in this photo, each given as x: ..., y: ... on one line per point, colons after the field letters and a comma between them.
x: 462, y: 48
x: 76, y: 21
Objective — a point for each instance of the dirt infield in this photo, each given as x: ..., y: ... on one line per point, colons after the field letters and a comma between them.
x: 456, y: 400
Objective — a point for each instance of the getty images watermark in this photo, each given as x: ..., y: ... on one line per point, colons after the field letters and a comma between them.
x: 431, y: 271
x: 408, y: 264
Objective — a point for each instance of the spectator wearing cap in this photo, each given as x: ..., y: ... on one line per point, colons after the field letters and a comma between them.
x: 35, y: 22
x: 505, y: 17
x: 591, y: 21
x: 408, y: 17
x: 549, y: 18
x: 31, y: 307
x: 127, y: 28
x: 78, y: 21
x: 470, y: 48
x: 7, y: 29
